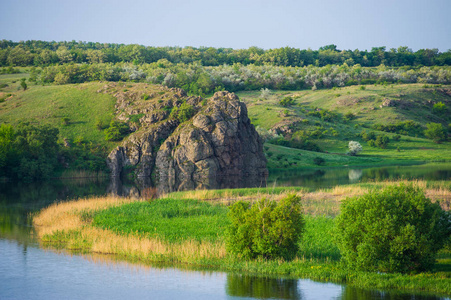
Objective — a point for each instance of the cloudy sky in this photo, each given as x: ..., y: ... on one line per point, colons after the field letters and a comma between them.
x: 349, y: 24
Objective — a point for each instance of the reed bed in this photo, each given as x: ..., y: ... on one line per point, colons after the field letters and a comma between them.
x: 69, y: 225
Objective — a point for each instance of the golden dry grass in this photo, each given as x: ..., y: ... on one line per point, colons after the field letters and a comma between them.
x: 63, y: 223
x: 327, y: 201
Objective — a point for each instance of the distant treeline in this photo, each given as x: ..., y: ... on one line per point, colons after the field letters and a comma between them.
x: 200, y: 80
x: 41, y: 53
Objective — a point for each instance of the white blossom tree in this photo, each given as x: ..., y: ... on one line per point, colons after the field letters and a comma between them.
x: 354, y: 148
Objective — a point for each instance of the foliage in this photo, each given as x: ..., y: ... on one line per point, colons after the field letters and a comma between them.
x: 41, y: 53
x: 116, y: 131
x: 65, y: 121
x: 403, y: 127
x: 439, y: 109
x: 396, y: 229
x: 135, y: 118
x: 319, y: 161
x: 296, y: 142
x: 324, y: 114
x: 28, y: 152
x: 354, y: 148
x: 436, y: 132
x: 183, y: 113
x: 23, y: 84
x: 287, y: 101
x: 265, y: 93
x: 265, y: 229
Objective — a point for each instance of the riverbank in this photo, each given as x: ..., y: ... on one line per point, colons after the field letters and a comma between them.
x: 177, y: 230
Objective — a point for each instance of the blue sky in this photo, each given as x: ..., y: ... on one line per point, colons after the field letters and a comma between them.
x: 349, y: 24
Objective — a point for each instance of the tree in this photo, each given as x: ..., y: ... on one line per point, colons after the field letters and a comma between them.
x: 436, y: 132
x: 439, y: 109
x: 265, y: 229
x: 354, y: 148
x: 23, y: 84
x: 396, y: 229
x: 116, y: 131
x: 265, y: 93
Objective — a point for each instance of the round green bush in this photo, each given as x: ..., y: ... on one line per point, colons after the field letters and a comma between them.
x: 265, y: 229
x: 396, y: 229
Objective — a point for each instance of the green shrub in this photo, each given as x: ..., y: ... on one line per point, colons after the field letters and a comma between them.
x: 65, y: 121
x: 439, y: 109
x: 183, y: 113
x: 265, y: 229
x: 135, y: 118
x: 116, y: 131
x: 318, y: 161
x: 435, y: 132
x: 396, y: 229
x: 287, y: 101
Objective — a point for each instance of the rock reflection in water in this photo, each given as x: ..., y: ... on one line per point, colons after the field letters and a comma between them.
x: 143, y: 187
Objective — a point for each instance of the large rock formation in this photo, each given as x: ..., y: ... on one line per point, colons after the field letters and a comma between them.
x: 217, y: 148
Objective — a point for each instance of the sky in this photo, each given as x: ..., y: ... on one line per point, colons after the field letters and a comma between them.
x: 238, y: 24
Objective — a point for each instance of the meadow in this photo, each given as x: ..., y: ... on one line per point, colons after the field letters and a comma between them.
x: 176, y: 229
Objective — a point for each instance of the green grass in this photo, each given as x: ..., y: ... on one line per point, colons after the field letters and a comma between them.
x: 413, y: 102
x: 168, y: 219
x: 318, y: 257
x: 80, y: 104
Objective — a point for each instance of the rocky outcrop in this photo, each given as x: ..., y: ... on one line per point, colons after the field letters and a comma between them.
x: 217, y: 148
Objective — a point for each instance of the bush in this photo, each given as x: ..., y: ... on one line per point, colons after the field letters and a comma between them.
x: 397, y: 229
x: 117, y: 131
x: 266, y: 229
x: 287, y: 101
x: 318, y: 161
x: 65, y: 121
x: 439, y: 109
x: 354, y: 148
x: 183, y: 113
x: 435, y: 132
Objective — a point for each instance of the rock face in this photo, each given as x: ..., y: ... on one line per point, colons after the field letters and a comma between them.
x: 217, y: 148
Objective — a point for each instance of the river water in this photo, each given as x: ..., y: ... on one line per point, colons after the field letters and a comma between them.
x: 28, y: 271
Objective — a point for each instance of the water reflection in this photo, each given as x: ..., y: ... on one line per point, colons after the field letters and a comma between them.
x: 355, y: 175
x: 261, y: 287
x: 30, y: 272
x: 331, y: 177
x: 351, y: 293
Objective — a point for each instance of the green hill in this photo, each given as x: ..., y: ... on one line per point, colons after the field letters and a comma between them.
x: 327, y: 119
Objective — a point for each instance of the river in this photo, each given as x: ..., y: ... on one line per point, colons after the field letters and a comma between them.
x: 28, y: 271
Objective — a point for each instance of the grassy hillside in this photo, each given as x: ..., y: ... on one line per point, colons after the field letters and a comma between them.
x: 331, y: 118
x: 80, y: 104
x: 328, y: 118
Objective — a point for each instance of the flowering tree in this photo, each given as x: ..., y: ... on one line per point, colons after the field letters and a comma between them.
x: 354, y: 148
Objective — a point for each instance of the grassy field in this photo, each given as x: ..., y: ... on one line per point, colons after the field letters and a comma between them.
x: 179, y: 230
x: 408, y: 102
x: 80, y: 104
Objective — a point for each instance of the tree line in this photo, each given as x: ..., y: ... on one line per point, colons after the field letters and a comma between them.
x: 200, y: 80
x: 43, y: 53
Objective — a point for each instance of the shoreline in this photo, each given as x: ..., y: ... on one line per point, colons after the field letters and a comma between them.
x: 70, y: 227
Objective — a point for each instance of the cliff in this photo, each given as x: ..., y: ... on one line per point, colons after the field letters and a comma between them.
x: 205, y: 144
